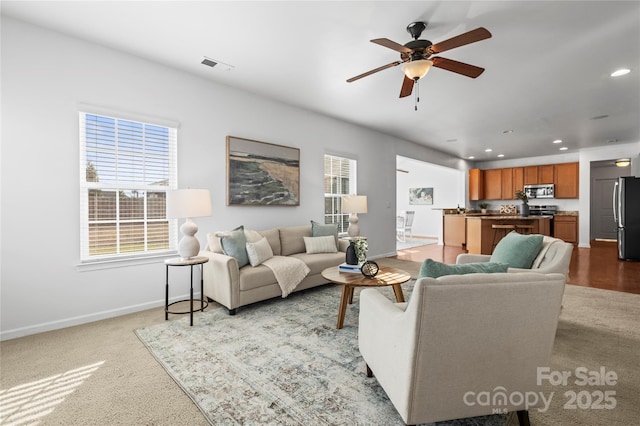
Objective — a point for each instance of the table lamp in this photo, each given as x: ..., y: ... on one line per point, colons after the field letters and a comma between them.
x: 354, y: 204
x: 188, y: 203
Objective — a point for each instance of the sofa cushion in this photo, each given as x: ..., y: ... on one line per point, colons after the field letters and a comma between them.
x: 320, y: 261
x: 321, y: 229
x: 291, y: 241
x: 234, y: 244
x: 326, y: 244
x: 259, y: 251
x: 273, y: 236
x: 252, y: 278
x: 516, y: 250
x: 433, y: 269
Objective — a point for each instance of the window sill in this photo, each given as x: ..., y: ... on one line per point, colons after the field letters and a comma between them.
x: 94, y: 265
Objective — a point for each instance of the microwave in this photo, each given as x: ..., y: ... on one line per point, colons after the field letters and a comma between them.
x: 539, y: 191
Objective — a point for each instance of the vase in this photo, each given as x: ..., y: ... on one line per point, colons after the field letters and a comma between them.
x: 524, y: 210
x: 351, y: 257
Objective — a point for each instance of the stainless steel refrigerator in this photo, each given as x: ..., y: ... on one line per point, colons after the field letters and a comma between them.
x: 626, y: 213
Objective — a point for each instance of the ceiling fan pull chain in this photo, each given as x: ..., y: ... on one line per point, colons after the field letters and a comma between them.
x: 417, y: 94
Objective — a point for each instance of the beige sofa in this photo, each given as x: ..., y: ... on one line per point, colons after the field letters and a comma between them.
x: 233, y: 287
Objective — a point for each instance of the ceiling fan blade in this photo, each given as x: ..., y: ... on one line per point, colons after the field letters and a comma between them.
x: 373, y: 71
x: 407, y: 87
x: 391, y: 45
x: 457, y: 67
x: 461, y: 40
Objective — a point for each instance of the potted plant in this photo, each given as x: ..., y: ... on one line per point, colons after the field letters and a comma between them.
x: 521, y: 195
x: 483, y: 207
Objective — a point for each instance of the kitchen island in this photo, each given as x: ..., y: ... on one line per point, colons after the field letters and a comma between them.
x: 480, y: 234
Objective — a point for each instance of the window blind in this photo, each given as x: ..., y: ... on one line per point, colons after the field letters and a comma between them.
x: 339, y: 180
x: 126, y: 168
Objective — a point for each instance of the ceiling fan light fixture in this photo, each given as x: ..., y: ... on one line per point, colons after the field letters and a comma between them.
x: 623, y: 162
x: 415, y: 70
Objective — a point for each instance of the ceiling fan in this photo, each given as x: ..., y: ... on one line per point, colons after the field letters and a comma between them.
x: 416, y: 56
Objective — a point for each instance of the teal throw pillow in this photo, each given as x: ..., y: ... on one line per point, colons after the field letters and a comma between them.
x: 234, y: 244
x: 517, y: 250
x: 433, y: 269
x: 322, y: 230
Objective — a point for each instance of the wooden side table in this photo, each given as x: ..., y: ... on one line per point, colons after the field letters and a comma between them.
x: 177, y: 261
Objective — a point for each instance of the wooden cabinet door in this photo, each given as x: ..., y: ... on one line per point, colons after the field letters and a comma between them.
x: 454, y: 230
x: 531, y: 175
x: 493, y: 184
x: 546, y: 174
x: 508, y: 192
x: 566, y: 178
x: 566, y: 228
x: 518, y: 180
x: 476, y: 184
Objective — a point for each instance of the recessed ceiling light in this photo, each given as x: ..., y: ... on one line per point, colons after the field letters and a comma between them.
x: 558, y: 141
x: 612, y: 140
x: 599, y: 117
x: 452, y: 140
x: 471, y: 157
x: 507, y: 131
x: 488, y: 150
x: 621, y: 71
x: 500, y: 155
x: 564, y: 148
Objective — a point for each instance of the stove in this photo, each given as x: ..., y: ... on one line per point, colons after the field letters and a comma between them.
x: 542, y: 210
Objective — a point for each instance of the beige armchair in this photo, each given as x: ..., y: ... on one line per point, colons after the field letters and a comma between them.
x: 459, y: 336
x: 554, y: 257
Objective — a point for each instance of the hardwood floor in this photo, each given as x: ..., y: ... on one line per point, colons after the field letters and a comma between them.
x: 597, y: 266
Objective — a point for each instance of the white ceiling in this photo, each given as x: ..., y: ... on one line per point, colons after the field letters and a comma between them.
x: 547, y: 75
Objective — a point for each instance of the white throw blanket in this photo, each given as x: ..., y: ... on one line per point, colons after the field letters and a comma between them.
x: 289, y: 272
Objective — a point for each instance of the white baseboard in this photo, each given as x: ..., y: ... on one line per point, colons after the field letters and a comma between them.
x: 85, y: 319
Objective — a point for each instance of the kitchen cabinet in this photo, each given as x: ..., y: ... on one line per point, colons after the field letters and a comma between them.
x: 566, y: 177
x: 518, y: 180
x: 480, y: 234
x: 531, y: 175
x: 493, y: 184
x: 476, y: 184
x: 546, y: 174
x: 454, y: 230
x: 566, y: 228
x: 508, y: 191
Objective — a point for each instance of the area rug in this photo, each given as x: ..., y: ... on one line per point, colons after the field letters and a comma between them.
x: 282, y: 361
x: 278, y: 362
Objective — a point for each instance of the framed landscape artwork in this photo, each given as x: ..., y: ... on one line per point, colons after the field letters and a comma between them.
x: 262, y: 174
x: 420, y: 195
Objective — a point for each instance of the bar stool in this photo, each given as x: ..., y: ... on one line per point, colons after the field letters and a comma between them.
x: 500, y: 231
x: 526, y: 229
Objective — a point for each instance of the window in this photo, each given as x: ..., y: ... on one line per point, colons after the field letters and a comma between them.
x: 126, y: 167
x: 339, y: 180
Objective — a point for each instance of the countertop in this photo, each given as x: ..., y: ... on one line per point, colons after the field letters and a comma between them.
x: 507, y: 217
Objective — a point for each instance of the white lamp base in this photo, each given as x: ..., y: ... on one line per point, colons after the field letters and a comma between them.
x: 189, y: 246
x: 354, y: 228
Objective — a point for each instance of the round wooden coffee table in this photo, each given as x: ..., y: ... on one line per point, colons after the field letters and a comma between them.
x: 350, y: 280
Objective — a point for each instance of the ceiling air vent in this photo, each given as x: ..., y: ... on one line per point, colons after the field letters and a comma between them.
x: 215, y: 63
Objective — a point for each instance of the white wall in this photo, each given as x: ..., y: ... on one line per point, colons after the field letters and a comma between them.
x: 448, y: 192
x: 46, y: 76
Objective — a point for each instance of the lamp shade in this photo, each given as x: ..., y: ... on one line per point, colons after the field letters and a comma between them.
x: 188, y: 203
x: 416, y: 69
x: 354, y: 204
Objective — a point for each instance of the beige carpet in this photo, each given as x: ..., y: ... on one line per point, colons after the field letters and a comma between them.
x: 101, y: 374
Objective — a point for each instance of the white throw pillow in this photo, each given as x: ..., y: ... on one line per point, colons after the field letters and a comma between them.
x: 326, y: 244
x: 259, y: 251
x: 252, y: 236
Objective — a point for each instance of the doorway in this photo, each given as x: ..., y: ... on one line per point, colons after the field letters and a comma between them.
x: 603, y: 177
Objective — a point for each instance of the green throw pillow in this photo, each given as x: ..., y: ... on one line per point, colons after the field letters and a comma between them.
x: 322, y: 230
x: 517, y: 250
x: 432, y: 269
x: 234, y: 244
